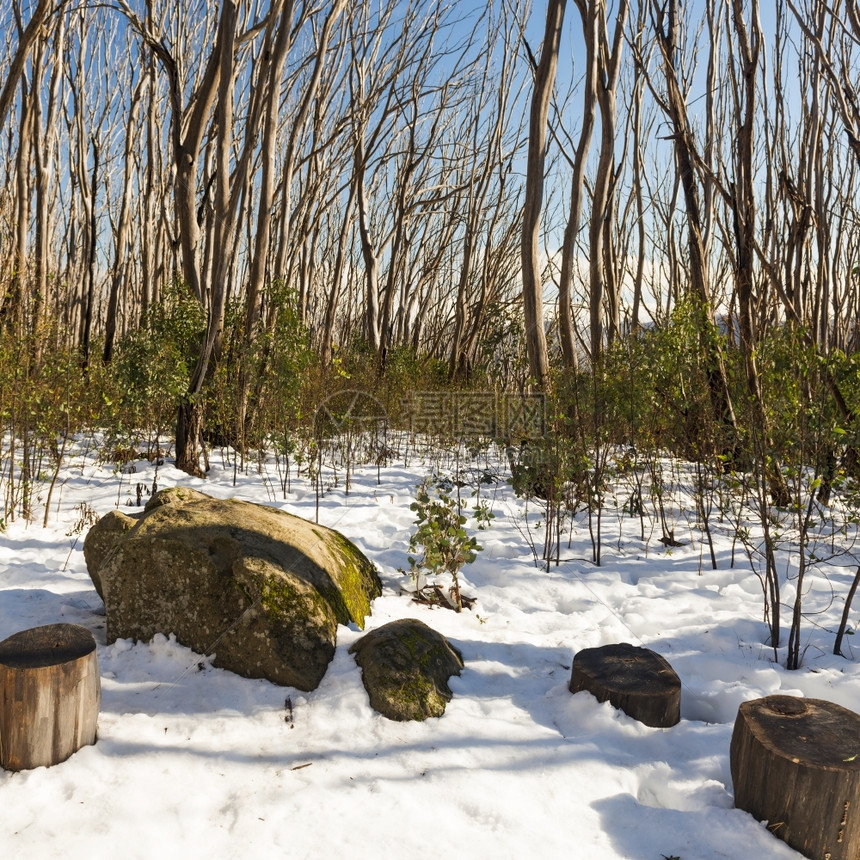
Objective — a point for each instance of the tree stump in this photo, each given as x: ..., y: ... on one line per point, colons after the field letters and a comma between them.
x: 50, y: 693
x: 636, y: 680
x: 796, y: 764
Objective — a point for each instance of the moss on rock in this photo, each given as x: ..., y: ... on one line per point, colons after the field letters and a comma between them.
x: 351, y: 594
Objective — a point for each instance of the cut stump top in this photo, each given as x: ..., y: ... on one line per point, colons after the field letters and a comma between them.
x: 627, y: 669
x: 637, y: 680
x: 818, y: 733
x: 50, y: 645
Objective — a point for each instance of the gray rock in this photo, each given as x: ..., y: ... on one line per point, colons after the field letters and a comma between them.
x: 260, y: 588
x: 405, y: 667
x: 102, y: 538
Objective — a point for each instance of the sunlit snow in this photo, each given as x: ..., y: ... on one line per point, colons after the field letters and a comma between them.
x: 194, y: 761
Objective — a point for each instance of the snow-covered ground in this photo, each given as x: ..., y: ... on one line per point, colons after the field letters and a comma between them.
x: 193, y: 761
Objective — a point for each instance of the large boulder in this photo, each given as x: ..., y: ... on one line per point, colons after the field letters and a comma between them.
x: 405, y: 667
x: 262, y: 589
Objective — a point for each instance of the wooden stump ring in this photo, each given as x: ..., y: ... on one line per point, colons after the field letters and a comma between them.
x: 50, y: 694
x: 796, y: 764
x: 636, y: 680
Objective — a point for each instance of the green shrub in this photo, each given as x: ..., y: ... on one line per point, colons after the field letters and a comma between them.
x: 441, y: 533
x: 152, y: 364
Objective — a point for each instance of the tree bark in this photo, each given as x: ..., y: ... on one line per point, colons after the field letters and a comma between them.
x: 269, y: 82
x: 91, y: 259
x: 189, y: 419
x: 603, y: 286
x: 742, y: 197
x: 588, y: 13
x: 327, y: 337
x: 118, y: 272
x: 12, y: 303
x: 843, y: 623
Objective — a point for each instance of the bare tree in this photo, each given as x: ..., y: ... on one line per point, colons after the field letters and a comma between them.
x: 603, y: 286
x: 209, y: 278
x: 588, y: 14
x: 687, y: 161
x: 530, y: 251
x: 486, y: 149
x: 121, y: 239
x: 26, y: 40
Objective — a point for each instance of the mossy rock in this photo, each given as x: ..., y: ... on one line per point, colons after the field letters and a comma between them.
x: 262, y: 589
x: 405, y: 668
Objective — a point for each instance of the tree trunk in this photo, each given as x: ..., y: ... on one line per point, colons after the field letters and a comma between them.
x: 837, y: 645
x: 150, y: 223
x: 588, y: 13
x: 744, y: 226
x: 277, y: 46
x: 189, y: 422
x: 371, y: 262
x: 529, y: 249
x: 327, y: 336
x: 794, y: 764
x: 190, y: 413
x: 92, y: 239
x: 50, y: 694
x: 118, y: 273
x: 12, y: 304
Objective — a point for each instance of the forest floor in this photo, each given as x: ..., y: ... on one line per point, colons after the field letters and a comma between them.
x: 194, y: 761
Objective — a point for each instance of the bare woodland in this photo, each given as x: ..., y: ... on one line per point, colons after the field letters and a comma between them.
x: 427, y: 180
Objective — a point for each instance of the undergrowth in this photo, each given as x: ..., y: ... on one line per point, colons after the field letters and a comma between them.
x: 617, y: 437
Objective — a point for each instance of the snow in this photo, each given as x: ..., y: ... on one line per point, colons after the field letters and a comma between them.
x: 194, y: 761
